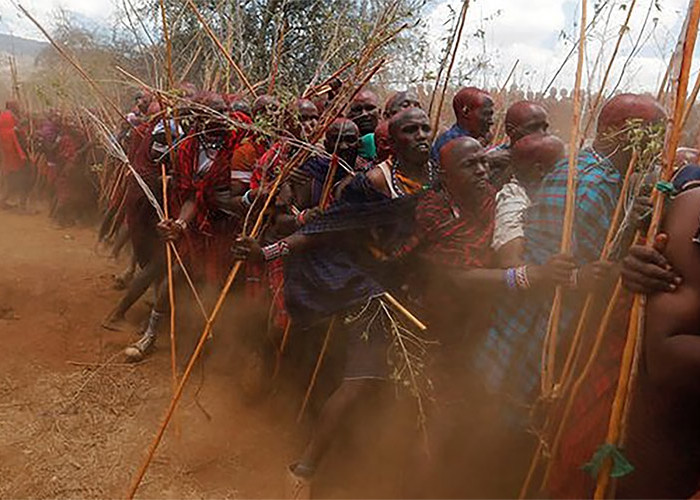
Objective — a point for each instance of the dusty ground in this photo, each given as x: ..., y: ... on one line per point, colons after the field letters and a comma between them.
x: 75, y: 421
x: 71, y: 426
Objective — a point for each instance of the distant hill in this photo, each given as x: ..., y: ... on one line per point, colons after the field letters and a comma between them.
x: 20, y: 47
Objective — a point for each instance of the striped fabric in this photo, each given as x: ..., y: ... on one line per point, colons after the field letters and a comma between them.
x: 509, y: 356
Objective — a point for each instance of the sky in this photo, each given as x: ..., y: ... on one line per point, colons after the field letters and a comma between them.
x: 526, y: 30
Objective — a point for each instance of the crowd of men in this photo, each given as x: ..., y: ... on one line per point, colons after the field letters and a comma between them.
x: 464, y: 234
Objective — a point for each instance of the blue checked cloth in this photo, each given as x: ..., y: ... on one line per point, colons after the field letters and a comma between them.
x: 453, y: 132
x: 509, y: 356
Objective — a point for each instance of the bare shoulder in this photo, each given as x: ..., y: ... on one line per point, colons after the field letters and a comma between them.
x: 376, y: 177
x: 681, y: 223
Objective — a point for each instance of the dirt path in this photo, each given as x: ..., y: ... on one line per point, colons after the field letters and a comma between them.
x: 72, y: 430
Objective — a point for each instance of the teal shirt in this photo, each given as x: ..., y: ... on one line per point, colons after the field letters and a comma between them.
x: 368, y: 149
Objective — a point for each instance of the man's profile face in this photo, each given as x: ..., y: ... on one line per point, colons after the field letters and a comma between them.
x: 480, y: 118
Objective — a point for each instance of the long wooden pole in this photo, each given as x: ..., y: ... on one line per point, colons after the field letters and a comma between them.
x: 599, y: 96
x: 317, y: 368
x: 551, y: 337
x: 460, y: 28
x: 634, y: 333
x: 75, y: 65
x: 222, y: 49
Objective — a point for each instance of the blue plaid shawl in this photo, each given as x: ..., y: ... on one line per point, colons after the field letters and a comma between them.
x: 341, y: 271
x: 509, y: 356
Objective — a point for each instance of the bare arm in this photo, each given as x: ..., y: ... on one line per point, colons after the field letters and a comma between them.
x: 672, y: 340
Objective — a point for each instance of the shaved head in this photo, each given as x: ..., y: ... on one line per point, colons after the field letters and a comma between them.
x: 265, y: 104
x: 469, y: 97
x: 404, y: 116
x: 524, y: 118
x: 619, y: 110
x: 455, y: 150
x: 409, y: 136
x: 535, y: 155
x: 342, y: 125
x: 400, y: 101
x: 618, y: 115
x: 465, y: 172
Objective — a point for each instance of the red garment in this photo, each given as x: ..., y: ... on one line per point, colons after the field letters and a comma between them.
x: 269, y: 164
x: 588, y: 422
x: 208, y: 240
x: 450, y: 237
x: 12, y: 156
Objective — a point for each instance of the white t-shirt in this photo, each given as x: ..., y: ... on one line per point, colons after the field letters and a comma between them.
x: 511, y: 202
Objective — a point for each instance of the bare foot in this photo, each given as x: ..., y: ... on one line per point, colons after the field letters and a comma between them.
x: 298, y: 487
x: 115, y: 323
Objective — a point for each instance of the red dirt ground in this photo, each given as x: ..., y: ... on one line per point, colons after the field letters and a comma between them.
x: 76, y: 421
x: 81, y: 431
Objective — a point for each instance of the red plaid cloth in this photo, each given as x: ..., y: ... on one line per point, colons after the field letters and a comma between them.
x: 450, y: 237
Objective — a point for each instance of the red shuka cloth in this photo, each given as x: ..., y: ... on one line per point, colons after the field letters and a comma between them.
x: 12, y: 156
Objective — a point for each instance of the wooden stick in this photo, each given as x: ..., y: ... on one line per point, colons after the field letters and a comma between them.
x: 599, y: 96
x: 277, y: 55
x: 504, y: 105
x: 604, y: 255
x: 453, y: 57
x: 217, y: 42
x: 220, y: 301
x: 628, y: 369
x: 317, y: 368
x: 75, y: 65
x: 397, y: 305
x: 567, y: 372
x: 691, y: 101
x: 171, y: 291
x: 551, y: 337
x: 328, y: 184
x: 282, y: 347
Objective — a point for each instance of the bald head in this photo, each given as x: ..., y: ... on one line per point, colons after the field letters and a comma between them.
x: 457, y: 149
x: 464, y: 170
x: 400, y: 101
x: 618, y: 115
x: 524, y: 118
x: 535, y: 155
x: 621, y: 109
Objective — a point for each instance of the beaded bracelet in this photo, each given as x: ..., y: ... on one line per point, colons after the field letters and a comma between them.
x: 521, y: 278
x: 511, y: 281
x: 246, y: 198
x: 275, y: 251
